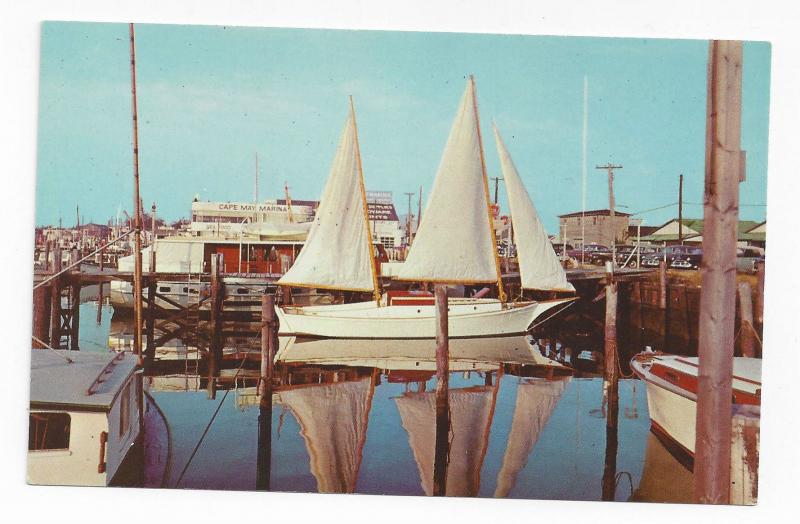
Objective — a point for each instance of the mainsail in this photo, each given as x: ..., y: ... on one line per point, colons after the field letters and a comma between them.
x: 471, y: 412
x: 455, y: 241
x: 538, y: 264
x: 536, y: 400
x: 338, y: 251
x: 333, y: 423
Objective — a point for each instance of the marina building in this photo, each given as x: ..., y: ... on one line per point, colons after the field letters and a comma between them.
x: 749, y: 232
x: 597, y: 226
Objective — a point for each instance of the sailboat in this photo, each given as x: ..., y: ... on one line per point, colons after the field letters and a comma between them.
x: 454, y: 244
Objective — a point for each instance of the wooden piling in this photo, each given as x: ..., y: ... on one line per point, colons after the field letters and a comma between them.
x: 55, y: 301
x: 442, y: 451
x: 74, y: 326
x: 724, y: 170
x: 609, y: 482
x: 150, y: 328
x: 47, y: 266
x: 217, y: 294
x: 611, y: 371
x: 41, y: 316
x: 269, y: 346
x: 99, y: 318
x: 662, y: 285
x: 747, y: 337
x: 759, y: 300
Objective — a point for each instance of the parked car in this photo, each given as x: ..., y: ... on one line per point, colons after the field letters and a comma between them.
x: 559, y: 249
x: 627, y: 255
x: 591, y: 253
x: 668, y: 254
x: 748, y: 258
x: 691, y: 258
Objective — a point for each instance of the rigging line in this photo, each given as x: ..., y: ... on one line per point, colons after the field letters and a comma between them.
x: 47, y: 346
x: 740, y: 205
x: 211, y: 421
x: 51, y: 277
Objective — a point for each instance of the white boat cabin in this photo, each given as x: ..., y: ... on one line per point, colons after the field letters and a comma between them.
x: 84, y: 416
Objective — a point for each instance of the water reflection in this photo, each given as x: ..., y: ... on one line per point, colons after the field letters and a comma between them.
x: 358, y: 416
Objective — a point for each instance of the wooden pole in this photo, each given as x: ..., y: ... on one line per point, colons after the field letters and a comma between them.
x: 41, y: 315
x: 269, y: 346
x: 153, y: 240
x: 662, y: 285
x: 747, y: 329
x: 55, y: 301
x: 151, y: 318
x: 137, y: 266
x: 611, y: 371
x: 759, y: 300
x: 74, y: 327
x: 680, y: 209
x: 216, y: 304
x: 724, y: 169
x: 99, y: 318
x: 442, y: 452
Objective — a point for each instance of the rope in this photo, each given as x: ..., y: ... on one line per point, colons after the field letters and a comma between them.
x: 211, y: 421
x: 69, y: 360
x: 51, y: 277
x: 551, y: 316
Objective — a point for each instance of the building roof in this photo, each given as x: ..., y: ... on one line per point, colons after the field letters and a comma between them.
x: 60, y: 384
x: 695, y: 227
x: 594, y: 212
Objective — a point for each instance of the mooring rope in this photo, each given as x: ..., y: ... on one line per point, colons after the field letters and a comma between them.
x: 54, y: 350
x: 211, y: 421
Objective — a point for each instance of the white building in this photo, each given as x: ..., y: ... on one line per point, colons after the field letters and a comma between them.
x: 224, y: 219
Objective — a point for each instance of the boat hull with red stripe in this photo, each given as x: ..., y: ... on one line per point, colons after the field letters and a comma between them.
x: 672, y: 393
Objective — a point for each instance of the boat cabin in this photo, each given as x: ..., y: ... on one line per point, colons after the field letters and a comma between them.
x: 84, y: 416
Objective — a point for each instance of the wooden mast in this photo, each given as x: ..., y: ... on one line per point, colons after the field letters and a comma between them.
x: 137, y: 268
x: 376, y: 287
x: 500, y: 292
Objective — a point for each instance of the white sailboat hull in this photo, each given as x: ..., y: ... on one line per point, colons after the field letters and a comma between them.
x: 467, y: 318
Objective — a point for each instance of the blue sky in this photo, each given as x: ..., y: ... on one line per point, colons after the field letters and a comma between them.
x: 211, y: 97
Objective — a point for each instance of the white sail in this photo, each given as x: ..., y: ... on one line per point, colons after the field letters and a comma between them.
x: 336, y: 254
x: 333, y: 422
x: 454, y: 242
x: 539, y: 266
x: 536, y: 400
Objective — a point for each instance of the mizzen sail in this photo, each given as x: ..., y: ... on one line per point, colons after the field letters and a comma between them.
x: 337, y: 252
x: 454, y: 241
x: 538, y: 264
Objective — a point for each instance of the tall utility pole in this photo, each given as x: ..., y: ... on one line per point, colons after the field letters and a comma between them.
x: 255, y: 192
x: 497, y: 181
x: 724, y: 170
x: 408, y: 218
x: 610, y: 169
x: 137, y: 206
x: 680, y: 209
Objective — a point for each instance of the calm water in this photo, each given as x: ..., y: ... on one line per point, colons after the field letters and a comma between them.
x: 355, y: 428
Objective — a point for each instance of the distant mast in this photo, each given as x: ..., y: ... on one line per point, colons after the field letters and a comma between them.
x: 255, y: 193
x: 583, y: 167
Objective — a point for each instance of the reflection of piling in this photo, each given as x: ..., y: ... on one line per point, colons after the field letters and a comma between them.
x: 746, y: 327
x: 269, y: 346
x: 442, y: 452
x: 55, y: 301
x: 724, y: 170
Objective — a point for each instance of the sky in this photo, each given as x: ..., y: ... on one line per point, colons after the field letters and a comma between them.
x: 211, y: 97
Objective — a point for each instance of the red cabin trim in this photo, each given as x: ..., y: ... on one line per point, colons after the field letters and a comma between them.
x: 688, y: 382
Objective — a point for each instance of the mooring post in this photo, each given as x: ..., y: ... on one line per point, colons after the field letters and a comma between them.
x: 150, y: 327
x: 747, y: 330
x: 55, y: 301
x: 102, y: 256
x: 662, y: 285
x: 216, y: 304
x: 759, y: 300
x: 75, y: 324
x: 99, y: 318
x: 269, y: 346
x: 724, y: 171
x: 41, y: 315
x: 611, y: 371
x: 47, y: 266
x: 442, y: 451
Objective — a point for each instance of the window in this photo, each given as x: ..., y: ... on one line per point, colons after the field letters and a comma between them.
x: 164, y: 289
x: 387, y: 241
x: 47, y: 431
x: 125, y: 410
